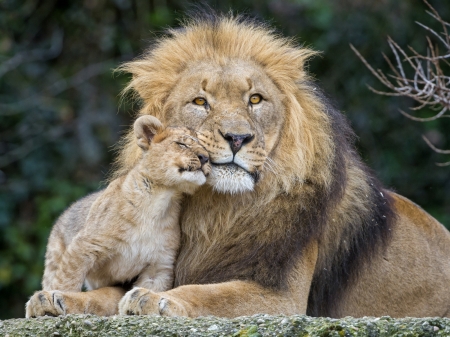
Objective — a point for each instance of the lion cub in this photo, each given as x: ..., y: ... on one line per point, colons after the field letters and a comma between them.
x: 131, y: 231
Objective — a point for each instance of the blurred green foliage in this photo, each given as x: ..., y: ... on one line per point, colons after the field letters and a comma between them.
x: 60, y: 109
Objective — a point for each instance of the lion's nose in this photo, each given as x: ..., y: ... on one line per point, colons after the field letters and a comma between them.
x: 236, y: 141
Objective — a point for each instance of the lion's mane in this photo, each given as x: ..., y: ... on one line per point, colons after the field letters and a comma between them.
x: 315, y: 167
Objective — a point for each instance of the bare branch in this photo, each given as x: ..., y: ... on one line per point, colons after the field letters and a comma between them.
x: 429, y: 86
x: 429, y: 119
x: 435, y: 149
x: 432, y: 32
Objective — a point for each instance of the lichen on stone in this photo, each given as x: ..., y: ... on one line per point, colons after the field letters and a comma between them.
x: 246, y: 326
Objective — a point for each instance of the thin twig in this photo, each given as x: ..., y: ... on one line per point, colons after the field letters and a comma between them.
x: 429, y: 86
x: 435, y: 148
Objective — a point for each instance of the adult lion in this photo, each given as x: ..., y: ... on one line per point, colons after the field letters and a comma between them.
x: 292, y: 222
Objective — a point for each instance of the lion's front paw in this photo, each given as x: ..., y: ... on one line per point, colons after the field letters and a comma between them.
x: 45, y: 303
x: 141, y: 301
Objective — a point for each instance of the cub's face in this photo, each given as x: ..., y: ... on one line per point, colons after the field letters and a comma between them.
x: 177, y: 159
x: 238, y: 114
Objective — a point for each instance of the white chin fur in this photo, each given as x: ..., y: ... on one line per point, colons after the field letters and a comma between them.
x: 230, y: 179
x: 191, y: 181
x: 195, y: 177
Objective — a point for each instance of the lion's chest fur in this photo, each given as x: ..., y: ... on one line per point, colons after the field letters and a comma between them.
x: 232, y: 241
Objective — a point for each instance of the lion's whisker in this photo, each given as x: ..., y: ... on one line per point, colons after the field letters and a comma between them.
x: 269, y: 167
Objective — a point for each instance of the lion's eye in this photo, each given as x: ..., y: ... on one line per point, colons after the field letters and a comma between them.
x: 199, y: 101
x: 255, y: 98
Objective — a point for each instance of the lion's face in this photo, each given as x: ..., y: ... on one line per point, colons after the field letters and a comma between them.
x: 238, y: 114
x: 245, y: 90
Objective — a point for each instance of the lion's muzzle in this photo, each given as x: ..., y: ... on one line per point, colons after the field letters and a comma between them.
x: 236, y: 141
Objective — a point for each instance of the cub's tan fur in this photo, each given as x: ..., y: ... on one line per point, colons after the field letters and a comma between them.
x: 132, y: 228
x: 290, y: 220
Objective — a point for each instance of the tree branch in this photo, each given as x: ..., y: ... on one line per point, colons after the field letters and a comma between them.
x: 429, y: 86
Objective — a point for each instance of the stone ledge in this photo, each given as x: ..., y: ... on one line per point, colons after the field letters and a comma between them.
x: 254, y: 326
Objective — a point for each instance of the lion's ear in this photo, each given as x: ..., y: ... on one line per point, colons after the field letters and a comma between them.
x: 145, y: 128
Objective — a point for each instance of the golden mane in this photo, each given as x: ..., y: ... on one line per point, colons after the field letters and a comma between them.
x: 156, y: 73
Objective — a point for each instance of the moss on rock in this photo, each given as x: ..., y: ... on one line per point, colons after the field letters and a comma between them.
x: 254, y: 326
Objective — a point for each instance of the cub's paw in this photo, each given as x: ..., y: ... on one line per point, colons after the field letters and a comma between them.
x: 141, y: 301
x: 45, y: 303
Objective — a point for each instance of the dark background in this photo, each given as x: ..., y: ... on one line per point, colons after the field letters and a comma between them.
x: 61, y: 114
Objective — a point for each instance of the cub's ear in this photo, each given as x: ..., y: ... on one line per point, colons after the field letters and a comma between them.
x: 145, y: 128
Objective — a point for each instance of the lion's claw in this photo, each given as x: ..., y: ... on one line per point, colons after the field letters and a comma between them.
x: 45, y: 303
x: 141, y: 301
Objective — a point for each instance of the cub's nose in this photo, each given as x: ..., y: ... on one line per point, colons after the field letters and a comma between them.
x: 203, y: 159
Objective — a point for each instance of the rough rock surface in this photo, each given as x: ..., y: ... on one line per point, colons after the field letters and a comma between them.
x: 254, y: 326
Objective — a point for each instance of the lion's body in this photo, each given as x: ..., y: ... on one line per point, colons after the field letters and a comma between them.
x: 290, y: 221
x: 411, y: 277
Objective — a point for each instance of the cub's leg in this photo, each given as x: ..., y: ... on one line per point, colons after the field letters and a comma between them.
x: 72, y: 269
x: 156, y: 277
x: 153, y: 278
x: 66, y: 228
x: 81, y: 255
x: 53, y: 256
x: 102, y: 302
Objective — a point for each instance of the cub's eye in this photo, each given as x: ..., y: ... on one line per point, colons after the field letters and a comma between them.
x: 183, y: 146
x: 199, y: 101
x: 255, y: 98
